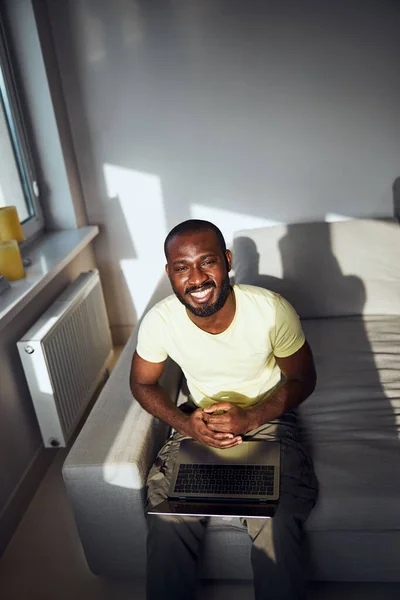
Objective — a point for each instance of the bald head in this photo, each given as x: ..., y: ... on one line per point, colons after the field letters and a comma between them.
x: 193, y: 226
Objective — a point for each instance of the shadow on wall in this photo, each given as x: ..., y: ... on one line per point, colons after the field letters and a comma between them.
x: 302, y: 266
x: 344, y: 406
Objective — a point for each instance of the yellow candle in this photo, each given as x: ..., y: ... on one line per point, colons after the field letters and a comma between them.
x: 10, y: 261
x: 10, y: 227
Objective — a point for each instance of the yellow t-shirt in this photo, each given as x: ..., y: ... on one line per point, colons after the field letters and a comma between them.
x: 237, y: 365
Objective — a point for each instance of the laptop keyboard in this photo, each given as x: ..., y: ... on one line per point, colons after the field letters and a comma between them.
x: 243, y: 480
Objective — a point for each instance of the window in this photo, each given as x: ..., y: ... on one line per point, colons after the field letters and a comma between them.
x: 18, y: 183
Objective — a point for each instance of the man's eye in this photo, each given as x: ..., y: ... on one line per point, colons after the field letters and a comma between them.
x: 180, y: 268
x: 209, y: 262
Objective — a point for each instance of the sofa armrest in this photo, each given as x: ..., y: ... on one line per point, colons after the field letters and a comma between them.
x: 106, y: 469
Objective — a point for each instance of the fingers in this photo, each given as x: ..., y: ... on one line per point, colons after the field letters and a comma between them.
x: 224, y: 428
x: 198, y: 414
x: 224, y: 443
x: 223, y: 436
x: 216, y: 439
x: 219, y: 424
x: 230, y: 443
x: 220, y: 440
x: 221, y: 427
x: 217, y: 436
x: 219, y: 406
x: 218, y: 420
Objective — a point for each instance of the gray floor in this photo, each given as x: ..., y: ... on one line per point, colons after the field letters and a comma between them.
x: 45, y: 561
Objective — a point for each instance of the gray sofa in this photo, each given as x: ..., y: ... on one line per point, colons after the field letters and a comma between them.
x: 344, y: 280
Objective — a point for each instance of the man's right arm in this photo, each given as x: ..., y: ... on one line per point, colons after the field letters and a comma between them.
x: 155, y: 400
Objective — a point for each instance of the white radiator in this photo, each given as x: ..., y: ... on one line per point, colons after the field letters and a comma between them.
x: 65, y: 355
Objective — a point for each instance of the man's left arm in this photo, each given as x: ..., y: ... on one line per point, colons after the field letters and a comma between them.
x: 300, y: 379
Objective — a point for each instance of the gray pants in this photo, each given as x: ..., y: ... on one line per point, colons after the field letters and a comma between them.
x: 174, y: 542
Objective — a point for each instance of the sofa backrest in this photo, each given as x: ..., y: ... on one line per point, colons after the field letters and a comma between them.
x: 325, y: 269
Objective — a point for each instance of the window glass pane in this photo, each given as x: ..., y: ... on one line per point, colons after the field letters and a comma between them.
x: 13, y: 182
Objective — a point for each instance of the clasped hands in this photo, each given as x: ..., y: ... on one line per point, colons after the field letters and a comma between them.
x: 220, y: 426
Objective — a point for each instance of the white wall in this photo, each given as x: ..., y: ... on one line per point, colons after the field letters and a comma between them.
x: 273, y: 111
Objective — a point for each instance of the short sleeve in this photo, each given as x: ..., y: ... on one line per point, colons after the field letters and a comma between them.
x: 288, y: 336
x: 150, y: 345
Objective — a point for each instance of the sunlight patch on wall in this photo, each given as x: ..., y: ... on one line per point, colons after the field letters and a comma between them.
x: 140, y: 199
x: 335, y: 217
x: 229, y: 221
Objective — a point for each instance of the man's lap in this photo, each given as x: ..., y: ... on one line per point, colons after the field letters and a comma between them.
x: 299, y: 488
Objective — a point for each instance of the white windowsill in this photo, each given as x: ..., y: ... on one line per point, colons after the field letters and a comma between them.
x: 49, y: 254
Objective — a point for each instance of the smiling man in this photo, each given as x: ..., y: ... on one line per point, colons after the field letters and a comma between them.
x: 248, y: 366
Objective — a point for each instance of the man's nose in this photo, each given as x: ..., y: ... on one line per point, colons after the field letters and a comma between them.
x: 197, y: 276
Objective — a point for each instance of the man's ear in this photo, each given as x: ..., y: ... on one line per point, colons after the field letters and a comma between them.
x: 166, y: 269
x: 228, y: 255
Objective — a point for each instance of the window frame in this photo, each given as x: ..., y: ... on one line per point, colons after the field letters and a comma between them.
x: 20, y: 141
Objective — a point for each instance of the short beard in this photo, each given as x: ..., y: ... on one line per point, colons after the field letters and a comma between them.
x: 208, y: 310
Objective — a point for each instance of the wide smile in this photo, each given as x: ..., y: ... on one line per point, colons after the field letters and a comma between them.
x: 202, y: 296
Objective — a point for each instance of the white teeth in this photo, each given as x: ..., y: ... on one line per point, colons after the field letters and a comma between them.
x: 201, y: 294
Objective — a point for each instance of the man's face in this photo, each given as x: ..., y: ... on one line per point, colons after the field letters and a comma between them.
x: 198, y: 271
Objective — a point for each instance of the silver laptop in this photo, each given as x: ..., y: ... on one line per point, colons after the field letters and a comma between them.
x: 242, y: 481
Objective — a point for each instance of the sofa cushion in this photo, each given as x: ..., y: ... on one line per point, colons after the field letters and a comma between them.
x: 325, y: 269
x: 352, y: 422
